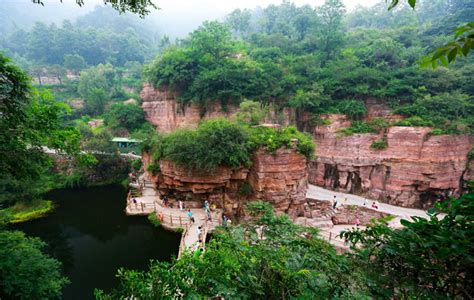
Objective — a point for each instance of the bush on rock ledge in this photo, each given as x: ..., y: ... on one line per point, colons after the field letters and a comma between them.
x: 219, y: 142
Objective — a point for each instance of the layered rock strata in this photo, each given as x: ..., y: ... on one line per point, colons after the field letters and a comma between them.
x: 279, y: 178
x: 415, y: 169
x: 163, y: 110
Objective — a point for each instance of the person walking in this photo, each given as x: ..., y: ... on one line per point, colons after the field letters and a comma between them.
x: 199, y: 232
x: 224, y: 220
x: 357, y: 221
x: 206, y: 206
x: 180, y: 204
x: 334, y: 202
x: 190, y: 216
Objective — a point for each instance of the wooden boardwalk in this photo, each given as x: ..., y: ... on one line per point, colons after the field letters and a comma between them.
x: 148, y: 201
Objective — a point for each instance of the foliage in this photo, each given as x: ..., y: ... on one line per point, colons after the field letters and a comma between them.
x: 272, y: 139
x: 26, y: 272
x: 25, y: 211
x: 154, y: 219
x: 414, y: 121
x: 440, y: 110
x: 215, y: 143
x: 379, y: 144
x: 128, y: 116
x: 470, y: 154
x: 357, y: 127
x: 138, y: 7
x: 353, y: 108
x: 30, y: 120
x: 74, y: 62
x: 153, y: 168
x: 426, y: 258
x: 291, y: 262
x: 136, y: 164
x: 251, y: 112
x: 219, y: 142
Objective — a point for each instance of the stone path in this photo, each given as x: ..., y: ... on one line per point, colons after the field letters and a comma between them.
x: 319, y: 193
x: 331, y: 233
x: 174, y: 218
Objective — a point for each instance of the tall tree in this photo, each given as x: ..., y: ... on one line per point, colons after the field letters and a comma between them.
x: 330, y: 28
x: 29, y: 120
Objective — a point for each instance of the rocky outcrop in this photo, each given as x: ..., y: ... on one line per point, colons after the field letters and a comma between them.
x: 162, y: 109
x: 415, y: 169
x: 279, y: 178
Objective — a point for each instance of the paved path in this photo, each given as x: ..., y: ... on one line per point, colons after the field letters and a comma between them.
x: 319, y: 193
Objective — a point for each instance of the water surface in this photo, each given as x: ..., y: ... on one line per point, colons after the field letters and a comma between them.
x: 92, y: 237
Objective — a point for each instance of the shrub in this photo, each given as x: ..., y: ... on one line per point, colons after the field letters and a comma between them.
x: 272, y: 139
x: 219, y: 142
x: 436, y: 131
x: 215, y: 143
x: 251, y: 112
x: 124, y: 115
x: 136, y: 164
x: 415, y: 121
x: 355, y: 109
x: 154, y: 219
x: 153, y: 168
x: 317, y: 121
x: 379, y: 144
x: 470, y: 154
x: 378, y: 124
x: 356, y: 127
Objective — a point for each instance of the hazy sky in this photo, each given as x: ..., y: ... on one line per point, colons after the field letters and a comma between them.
x: 175, y: 17
x: 191, y: 13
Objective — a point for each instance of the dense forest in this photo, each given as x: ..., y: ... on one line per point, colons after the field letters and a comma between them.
x: 73, y: 86
x: 324, y: 60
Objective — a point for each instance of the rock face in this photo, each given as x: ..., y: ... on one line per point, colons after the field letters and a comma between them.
x: 279, y: 178
x: 415, y: 169
x: 163, y: 110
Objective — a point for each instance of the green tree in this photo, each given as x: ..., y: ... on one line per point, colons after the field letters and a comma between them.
x: 251, y: 112
x: 239, y: 21
x: 290, y: 262
x: 128, y: 116
x: 140, y: 7
x: 25, y: 271
x: 74, y: 62
x: 330, y: 26
x: 427, y: 258
x: 30, y: 120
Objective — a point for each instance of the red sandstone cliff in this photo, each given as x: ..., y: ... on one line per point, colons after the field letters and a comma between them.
x: 163, y: 110
x: 279, y: 178
x: 413, y: 171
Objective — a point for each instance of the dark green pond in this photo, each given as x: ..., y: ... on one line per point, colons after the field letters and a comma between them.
x: 92, y: 237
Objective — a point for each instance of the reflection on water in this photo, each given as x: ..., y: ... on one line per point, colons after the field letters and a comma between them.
x: 91, y: 235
